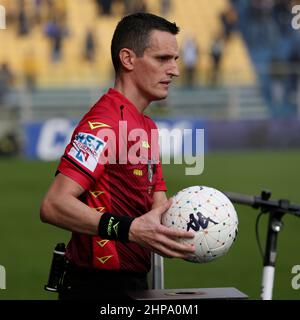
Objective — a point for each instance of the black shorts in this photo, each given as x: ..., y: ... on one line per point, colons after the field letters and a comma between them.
x: 101, y: 285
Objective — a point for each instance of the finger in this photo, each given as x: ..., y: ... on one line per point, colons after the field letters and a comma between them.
x: 174, y: 245
x: 168, y: 253
x: 176, y: 233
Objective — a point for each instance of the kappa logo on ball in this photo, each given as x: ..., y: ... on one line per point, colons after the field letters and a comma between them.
x: 86, y: 149
x: 200, y: 222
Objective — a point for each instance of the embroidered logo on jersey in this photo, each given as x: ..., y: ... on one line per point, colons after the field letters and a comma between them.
x: 96, y: 125
x: 86, y: 149
x: 138, y: 172
x: 116, y: 228
x: 104, y: 259
x: 96, y: 194
x: 145, y: 144
x: 102, y: 243
x: 100, y: 209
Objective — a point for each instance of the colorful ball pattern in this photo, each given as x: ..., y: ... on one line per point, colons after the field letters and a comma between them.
x: 210, y: 214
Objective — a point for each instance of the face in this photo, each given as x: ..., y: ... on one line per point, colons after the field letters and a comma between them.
x: 153, y: 72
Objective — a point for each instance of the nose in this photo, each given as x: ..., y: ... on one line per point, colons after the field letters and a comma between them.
x: 173, y: 70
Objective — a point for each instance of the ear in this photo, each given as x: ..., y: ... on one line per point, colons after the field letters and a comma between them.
x: 127, y: 58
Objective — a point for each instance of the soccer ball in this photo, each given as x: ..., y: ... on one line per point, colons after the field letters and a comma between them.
x: 208, y: 213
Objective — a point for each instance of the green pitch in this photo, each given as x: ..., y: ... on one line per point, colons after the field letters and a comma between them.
x: 26, y: 244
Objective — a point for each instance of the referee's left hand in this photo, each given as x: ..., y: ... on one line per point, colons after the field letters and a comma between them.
x: 148, y: 231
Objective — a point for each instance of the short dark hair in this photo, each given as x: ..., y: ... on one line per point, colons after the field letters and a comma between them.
x: 133, y: 32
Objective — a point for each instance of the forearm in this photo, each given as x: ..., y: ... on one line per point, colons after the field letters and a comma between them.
x: 67, y: 212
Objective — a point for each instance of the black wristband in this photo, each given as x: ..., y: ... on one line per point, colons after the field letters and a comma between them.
x: 114, y: 227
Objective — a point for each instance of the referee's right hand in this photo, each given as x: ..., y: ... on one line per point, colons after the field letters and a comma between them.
x: 148, y: 231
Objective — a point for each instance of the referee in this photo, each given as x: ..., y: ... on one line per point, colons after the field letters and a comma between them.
x: 113, y: 207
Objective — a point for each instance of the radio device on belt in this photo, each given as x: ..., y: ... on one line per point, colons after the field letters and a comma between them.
x: 57, y: 268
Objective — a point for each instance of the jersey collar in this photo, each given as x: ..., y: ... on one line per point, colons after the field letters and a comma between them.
x: 124, y: 101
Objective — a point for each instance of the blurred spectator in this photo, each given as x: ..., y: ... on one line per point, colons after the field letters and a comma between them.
x: 277, y: 80
x: 30, y: 71
x: 104, y: 7
x: 216, y: 54
x: 274, y: 49
x: 128, y: 6
x: 229, y: 20
x: 50, y: 10
x: 190, y: 55
x: 282, y: 15
x: 89, y: 46
x: 99, y: 6
x: 131, y: 6
x: 22, y: 18
x: 139, y: 6
x: 37, y: 11
x: 6, y: 81
x: 261, y: 26
x: 56, y: 32
x: 165, y: 7
x: 294, y: 74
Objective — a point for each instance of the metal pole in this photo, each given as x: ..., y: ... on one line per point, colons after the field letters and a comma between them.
x: 276, y: 210
x: 157, y: 271
x: 274, y: 227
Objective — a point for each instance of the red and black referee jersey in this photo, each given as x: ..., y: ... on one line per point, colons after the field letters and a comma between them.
x: 96, y: 159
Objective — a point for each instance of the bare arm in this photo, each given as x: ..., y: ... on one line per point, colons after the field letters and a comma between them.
x: 61, y: 207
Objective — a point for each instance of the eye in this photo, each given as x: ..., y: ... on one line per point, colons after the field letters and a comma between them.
x: 163, y: 58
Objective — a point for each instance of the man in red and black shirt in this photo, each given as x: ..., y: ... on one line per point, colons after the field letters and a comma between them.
x: 109, y: 188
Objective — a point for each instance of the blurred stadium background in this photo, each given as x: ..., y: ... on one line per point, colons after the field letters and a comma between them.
x: 240, y: 67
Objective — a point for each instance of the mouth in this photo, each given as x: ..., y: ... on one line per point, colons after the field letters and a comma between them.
x: 166, y: 82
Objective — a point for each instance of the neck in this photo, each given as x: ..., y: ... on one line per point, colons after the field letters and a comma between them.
x: 131, y: 92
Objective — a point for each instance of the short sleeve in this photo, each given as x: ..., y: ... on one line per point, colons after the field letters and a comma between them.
x: 70, y: 169
x: 83, y: 159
